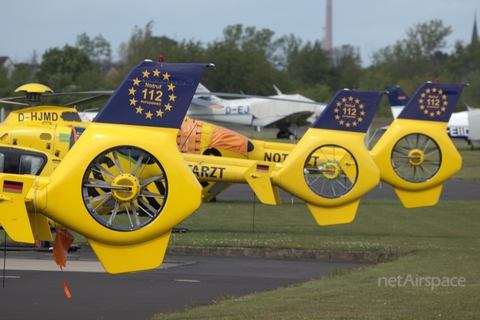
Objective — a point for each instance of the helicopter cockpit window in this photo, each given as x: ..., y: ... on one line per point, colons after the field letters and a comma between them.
x: 70, y: 116
x: 2, y: 161
x: 30, y: 164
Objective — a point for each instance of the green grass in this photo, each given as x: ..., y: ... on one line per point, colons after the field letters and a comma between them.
x: 470, y: 161
x: 441, y: 241
x: 380, y: 226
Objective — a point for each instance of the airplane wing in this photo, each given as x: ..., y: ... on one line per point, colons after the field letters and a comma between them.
x: 294, y: 109
x: 280, y: 110
x: 284, y: 121
x: 198, y: 102
x: 280, y: 97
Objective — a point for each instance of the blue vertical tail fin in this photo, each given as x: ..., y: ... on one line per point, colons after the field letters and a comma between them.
x: 349, y: 110
x: 433, y: 102
x: 397, y: 99
x: 155, y: 94
x: 396, y: 96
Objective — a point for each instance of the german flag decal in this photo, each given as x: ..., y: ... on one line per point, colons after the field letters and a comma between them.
x: 262, y: 168
x: 12, y: 186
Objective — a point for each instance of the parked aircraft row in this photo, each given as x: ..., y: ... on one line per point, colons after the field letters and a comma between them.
x: 279, y: 111
x: 195, y: 136
x: 127, y: 189
x: 25, y: 125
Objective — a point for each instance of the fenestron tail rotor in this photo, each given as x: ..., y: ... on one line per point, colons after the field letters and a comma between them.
x: 335, y: 174
x: 416, y: 158
x: 127, y: 195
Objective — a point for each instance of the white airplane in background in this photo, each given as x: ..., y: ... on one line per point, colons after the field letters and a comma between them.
x: 462, y: 125
x: 279, y: 111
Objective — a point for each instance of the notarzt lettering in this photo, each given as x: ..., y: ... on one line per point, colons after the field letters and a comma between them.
x: 208, y: 171
x: 275, y: 157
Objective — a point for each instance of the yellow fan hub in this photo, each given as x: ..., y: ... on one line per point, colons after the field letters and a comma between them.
x: 128, y: 188
x: 416, y: 157
x: 331, y: 170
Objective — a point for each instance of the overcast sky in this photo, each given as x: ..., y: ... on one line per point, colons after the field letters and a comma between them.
x: 29, y: 26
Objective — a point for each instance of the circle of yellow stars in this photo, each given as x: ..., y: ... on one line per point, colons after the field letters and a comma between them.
x: 171, y: 98
x: 425, y: 105
x: 359, y: 108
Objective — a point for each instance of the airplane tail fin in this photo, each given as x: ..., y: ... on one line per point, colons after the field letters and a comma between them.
x: 415, y: 155
x: 277, y: 90
x: 467, y: 106
x: 330, y: 168
x: 201, y: 89
x: 203, y: 94
x: 397, y: 99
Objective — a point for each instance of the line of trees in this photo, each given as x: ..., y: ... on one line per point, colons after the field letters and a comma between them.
x: 251, y: 61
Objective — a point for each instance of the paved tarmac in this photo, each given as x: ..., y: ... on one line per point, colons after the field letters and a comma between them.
x: 452, y: 190
x: 32, y: 287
